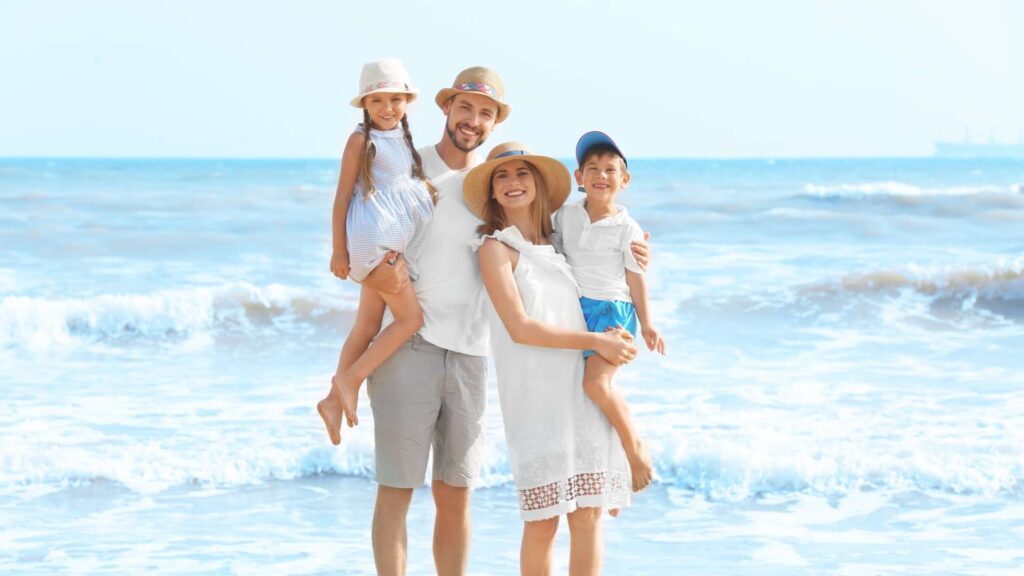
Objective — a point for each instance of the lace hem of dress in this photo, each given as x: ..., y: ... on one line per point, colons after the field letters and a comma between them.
x: 612, y: 486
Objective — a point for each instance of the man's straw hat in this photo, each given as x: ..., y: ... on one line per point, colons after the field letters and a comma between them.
x: 478, y: 80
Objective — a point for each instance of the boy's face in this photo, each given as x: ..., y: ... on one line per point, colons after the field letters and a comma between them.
x: 603, y: 174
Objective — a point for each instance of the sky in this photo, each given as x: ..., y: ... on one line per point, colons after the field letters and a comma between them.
x: 787, y: 78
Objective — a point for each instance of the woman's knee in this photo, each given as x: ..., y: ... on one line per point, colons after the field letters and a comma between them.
x: 541, y: 529
x: 584, y: 518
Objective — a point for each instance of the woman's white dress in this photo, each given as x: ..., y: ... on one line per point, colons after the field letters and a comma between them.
x: 563, y: 452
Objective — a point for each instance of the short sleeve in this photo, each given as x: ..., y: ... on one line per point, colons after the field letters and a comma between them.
x: 633, y: 233
x: 556, y: 231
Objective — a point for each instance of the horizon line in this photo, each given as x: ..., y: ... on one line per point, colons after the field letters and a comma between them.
x: 336, y: 159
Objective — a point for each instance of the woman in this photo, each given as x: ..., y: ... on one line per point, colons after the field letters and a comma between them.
x: 564, y: 455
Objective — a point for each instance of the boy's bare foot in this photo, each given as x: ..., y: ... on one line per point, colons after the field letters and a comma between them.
x: 640, y: 466
x: 330, y: 411
x: 348, y: 390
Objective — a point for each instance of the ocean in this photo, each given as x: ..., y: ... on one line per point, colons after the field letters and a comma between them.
x: 843, y: 391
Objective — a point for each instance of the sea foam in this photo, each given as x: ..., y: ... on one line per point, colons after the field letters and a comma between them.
x: 37, y: 323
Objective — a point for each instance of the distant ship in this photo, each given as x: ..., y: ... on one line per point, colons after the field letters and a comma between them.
x: 969, y: 150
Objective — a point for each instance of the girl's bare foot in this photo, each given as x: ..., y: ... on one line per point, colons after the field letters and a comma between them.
x: 613, y: 512
x: 641, y: 467
x: 348, y: 391
x: 330, y: 411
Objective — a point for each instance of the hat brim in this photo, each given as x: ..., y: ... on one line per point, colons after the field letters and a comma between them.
x: 477, y: 185
x: 446, y: 94
x: 357, y: 102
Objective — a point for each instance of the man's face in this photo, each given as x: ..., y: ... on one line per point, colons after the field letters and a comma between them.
x: 471, y: 117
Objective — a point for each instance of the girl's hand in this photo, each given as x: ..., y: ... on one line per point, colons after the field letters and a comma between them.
x: 616, y: 346
x: 339, y: 264
x: 653, y: 339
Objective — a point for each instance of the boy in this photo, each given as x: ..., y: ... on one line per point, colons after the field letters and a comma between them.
x: 595, y: 235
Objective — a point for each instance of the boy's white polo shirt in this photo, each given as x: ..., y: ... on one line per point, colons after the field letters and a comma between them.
x: 598, y: 252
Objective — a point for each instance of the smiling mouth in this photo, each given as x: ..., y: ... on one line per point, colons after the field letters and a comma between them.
x: 515, y: 193
x: 467, y: 131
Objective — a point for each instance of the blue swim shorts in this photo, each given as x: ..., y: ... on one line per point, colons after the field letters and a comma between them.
x: 603, y: 314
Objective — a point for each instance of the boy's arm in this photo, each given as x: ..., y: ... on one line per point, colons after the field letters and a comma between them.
x: 351, y: 159
x: 638, y: 287
x: 638, y: 293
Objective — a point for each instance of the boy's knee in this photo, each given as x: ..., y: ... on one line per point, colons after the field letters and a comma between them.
x: 596, y: 386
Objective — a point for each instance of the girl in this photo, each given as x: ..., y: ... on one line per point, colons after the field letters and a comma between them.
x: 564, y: 454
x: 382, y: 207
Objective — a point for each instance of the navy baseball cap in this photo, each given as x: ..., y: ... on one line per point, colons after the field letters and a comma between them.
x: 595, y: 138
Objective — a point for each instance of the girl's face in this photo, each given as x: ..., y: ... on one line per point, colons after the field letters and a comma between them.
x: 386, y: 109
x: 513, y: 185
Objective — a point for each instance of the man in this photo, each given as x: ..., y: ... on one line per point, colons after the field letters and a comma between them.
x: 431, y: 393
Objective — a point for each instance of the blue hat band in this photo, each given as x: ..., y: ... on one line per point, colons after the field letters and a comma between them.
x: 511, y: 153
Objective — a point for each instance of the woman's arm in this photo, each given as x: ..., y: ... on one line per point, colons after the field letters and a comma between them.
x: 496, y: 269
x: 351, y: 159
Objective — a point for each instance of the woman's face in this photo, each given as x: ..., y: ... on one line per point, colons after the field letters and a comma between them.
x: 513, y: 185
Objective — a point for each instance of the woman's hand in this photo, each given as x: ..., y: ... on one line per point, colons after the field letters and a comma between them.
x: 616, y: 346
x: 339, y: 264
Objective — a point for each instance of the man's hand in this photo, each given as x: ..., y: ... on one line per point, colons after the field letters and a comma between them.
x: 653, y: 339
x: 340, y: 264
x: 642, y: 251
x: 390, y: 276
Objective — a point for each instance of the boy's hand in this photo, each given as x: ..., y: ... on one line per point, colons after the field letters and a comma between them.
x: 642, y: 251
x: 653, y: 339
x: 339, y: 264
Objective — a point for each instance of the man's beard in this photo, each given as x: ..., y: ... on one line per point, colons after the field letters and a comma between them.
x: 455, y: 141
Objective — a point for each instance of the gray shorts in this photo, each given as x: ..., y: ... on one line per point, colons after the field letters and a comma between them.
x: 422, y: 396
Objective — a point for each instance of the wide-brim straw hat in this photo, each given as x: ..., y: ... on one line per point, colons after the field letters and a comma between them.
x: 478, y: 80
x: 384, y: 75
x: 476, y: 187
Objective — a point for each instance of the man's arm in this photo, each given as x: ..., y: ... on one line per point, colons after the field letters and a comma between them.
x: 390, y: 276
x: 641, y: 251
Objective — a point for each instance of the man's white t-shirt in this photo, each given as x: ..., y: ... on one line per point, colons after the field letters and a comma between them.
x: 449, y: 288
x: 599, y: 252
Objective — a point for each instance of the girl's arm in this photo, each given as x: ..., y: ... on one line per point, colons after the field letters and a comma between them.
x: 496, y: 269
x: 638, y: 293
x: 350, y: 162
